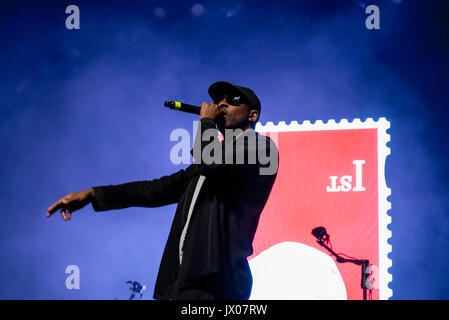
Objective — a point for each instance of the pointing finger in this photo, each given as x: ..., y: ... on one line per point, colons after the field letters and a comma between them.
x: 55, y: 206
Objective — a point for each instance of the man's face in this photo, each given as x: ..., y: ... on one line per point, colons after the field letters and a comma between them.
x: 233, y: 117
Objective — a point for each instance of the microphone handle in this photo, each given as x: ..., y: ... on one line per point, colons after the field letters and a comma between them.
x: 175, y: 105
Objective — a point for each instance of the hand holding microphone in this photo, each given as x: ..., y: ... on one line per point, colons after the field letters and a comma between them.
x: 210, y: 110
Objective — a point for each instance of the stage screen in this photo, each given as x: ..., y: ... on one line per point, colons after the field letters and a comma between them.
x: 330, y: 175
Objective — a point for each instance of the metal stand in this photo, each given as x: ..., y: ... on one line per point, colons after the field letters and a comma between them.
x: 363, y: 263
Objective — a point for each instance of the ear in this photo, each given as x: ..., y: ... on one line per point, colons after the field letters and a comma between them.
x: 253, y: 115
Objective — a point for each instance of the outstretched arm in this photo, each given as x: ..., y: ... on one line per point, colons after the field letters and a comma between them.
x: 152, y: 193
x: 149, y: 193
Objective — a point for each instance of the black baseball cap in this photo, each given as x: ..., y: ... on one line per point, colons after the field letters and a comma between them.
x: 218, y: 89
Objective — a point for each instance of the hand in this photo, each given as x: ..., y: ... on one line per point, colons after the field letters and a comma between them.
x: 71, y: 202
x: 210, y: 110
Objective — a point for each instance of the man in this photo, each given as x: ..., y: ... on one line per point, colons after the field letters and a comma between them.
x: 220, y: 198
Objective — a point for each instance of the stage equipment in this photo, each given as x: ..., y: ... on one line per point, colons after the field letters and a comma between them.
x: 136, y: 288
x: 323, y: 239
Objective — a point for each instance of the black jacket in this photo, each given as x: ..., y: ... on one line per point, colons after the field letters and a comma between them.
x: 225, y: 216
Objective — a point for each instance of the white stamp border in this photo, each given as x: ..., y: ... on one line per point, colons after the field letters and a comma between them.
x: 382, y: 125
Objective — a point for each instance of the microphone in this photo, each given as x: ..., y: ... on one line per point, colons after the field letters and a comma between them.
x: 321, y: 234
x: 175, y: 105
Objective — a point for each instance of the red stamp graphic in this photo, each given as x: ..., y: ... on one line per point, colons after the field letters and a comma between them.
x: 331, y: 179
